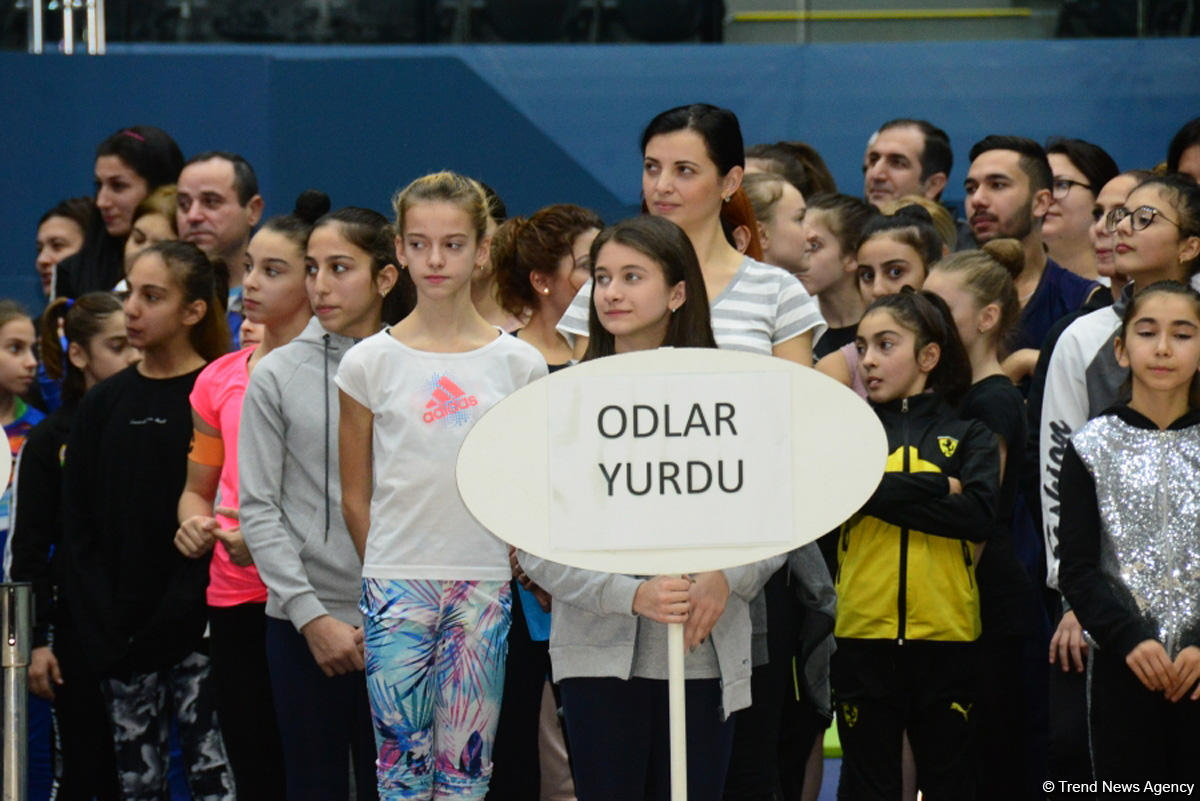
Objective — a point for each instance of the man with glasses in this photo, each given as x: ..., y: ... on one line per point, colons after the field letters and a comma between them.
x: 1009, y: 188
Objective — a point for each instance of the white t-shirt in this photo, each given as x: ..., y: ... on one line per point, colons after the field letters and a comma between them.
x: 761, y: 307
x: 424, y: 404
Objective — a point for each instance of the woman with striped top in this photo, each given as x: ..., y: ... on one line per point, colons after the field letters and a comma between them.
x: 692, y: 166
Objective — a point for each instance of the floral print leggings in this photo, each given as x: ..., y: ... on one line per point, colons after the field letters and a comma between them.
x: 435, y: 655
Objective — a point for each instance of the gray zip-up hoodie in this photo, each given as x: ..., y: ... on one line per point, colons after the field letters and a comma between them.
x: 291, y: 495
x: 593, y: 628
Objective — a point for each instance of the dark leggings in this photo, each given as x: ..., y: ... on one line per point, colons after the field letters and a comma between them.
x: 323, y: 722
x: 242, y: 685
x: 1137, y: 734
x: 516, y: 766
x: 620, y: 743
x: 86, y: 765
x: 776, y: 732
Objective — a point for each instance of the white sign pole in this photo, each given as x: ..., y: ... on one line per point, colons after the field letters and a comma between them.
x: 677, y: 711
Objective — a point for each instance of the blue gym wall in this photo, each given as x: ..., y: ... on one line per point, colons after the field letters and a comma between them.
x: 544, y: 124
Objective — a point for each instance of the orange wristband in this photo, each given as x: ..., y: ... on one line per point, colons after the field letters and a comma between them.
x: 206, y: 449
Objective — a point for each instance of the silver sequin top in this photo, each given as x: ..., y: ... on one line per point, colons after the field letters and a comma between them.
x: 1148, y: 492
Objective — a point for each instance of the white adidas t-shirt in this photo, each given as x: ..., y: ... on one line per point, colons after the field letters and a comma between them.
x: 424, y: 404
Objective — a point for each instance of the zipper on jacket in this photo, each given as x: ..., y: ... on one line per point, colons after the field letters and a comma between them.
x: 1164, y: 511
x: 902, y: 584
x: 844, y: 539
x: 966, y: 549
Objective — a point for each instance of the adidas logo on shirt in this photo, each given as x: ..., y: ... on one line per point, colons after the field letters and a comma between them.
x: 448, y: 401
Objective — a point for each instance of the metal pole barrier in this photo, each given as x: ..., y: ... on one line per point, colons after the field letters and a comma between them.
x: 90, y: 5
x: 101, y: 31
x: 36, y: 34
x: 15, y: 636
x: 68, y: 9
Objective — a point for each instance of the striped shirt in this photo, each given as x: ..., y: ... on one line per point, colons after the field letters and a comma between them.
x: 760, y: 308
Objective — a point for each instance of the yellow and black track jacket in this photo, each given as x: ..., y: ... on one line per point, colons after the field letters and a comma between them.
x: 905, y: 565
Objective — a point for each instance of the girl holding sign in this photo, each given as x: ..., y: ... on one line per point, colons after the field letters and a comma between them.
x: 436, y: 599
x: 693, y: 159
x: 608, y: 641
x: 1130, y: 542
x: 908, y: 605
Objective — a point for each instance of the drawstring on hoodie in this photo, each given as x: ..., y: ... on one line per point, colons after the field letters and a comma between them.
x: 326, y: 361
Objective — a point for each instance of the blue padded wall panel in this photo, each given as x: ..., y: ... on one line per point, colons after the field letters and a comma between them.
x: 545, y: 124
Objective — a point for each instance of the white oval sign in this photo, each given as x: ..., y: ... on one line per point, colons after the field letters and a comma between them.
x: 671, y: 461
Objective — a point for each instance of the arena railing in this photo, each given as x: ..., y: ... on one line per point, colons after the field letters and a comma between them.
x: 15, y: 636
x: 95, y: 35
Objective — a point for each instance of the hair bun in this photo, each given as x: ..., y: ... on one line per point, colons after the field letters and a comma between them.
x: 914, y: 212
x: 311, y: 205
x: 1009, y: 253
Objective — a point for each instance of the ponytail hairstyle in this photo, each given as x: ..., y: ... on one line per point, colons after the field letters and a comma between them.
x: 843, y: 215
x: 79, y: 210
x: 148, y: 151
x: 930, y: 320
x: 81, y: 321
x: 195, y: 275
x: 369, y: 230
x: 447, y: 187
x: 722, y: 136
x: 943, y: 222
x: 718, y: 127
x: 1131, y: 312
x: 739, y: 211
x: 161, y: 200
x: 910, y: 225
x: 666, y: 244
x: 764, y: 189
x: 798, y: 163
x: 1157, y: 288
x: 311, y: 205
x: 12, y: 310
x: 535, y: 244
x: 1185, y: 198
x: 988, y: 275
x: 495, y: 205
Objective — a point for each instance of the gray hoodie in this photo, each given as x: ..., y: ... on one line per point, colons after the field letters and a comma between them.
x: 291, y: 495
x: 593, y: 629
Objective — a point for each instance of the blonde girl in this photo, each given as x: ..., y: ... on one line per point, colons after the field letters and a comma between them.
x: 436, y: 600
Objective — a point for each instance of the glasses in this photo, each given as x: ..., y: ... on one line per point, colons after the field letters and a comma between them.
x: 1062, y: 187
x: 1139, y: 218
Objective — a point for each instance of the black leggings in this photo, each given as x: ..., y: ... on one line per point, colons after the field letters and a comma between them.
x: 1137, y: 734
x: 88, y: 767
x: 324, y: 723
x: 242, y: 685
x: 516, y: 765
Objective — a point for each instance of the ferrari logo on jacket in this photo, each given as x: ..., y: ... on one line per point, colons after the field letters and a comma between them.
x: 948, y: 445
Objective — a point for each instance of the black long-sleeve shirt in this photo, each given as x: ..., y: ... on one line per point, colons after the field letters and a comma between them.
x: 138, y: 603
